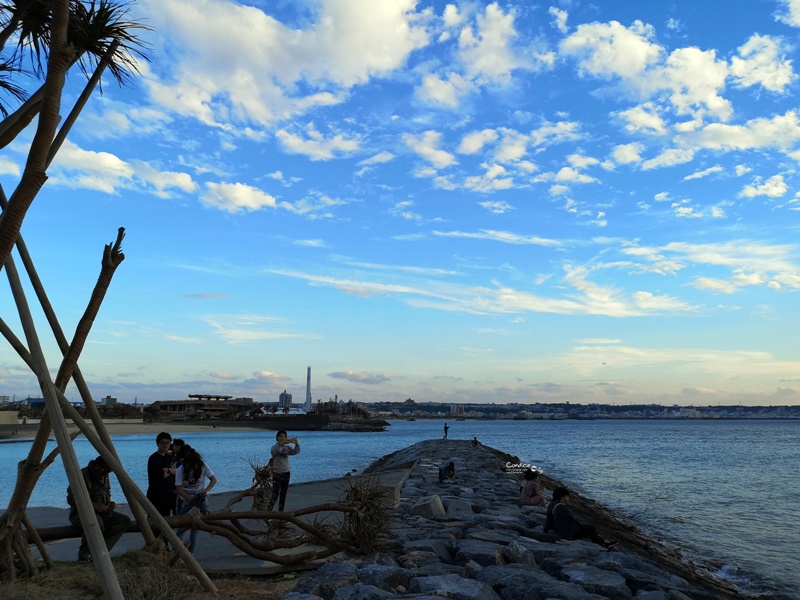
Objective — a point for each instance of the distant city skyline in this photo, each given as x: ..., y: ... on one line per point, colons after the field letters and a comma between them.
x: 461, y: 202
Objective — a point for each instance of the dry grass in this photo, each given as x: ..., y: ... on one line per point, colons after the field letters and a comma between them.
x: 142, y: 576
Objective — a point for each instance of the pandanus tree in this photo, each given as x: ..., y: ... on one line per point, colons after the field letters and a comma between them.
x: 49, y: 38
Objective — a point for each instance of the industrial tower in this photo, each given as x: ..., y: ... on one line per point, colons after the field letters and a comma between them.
x: 308, y: 391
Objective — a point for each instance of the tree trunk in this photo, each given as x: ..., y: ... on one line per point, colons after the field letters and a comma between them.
x: 34, y: 175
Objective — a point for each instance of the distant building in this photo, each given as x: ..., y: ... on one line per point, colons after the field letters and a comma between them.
x: 200, y: 406
x: 285, y: 400
x: 108, y: 401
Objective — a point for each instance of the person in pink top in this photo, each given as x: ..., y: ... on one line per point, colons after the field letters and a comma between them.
x: 531, y: 493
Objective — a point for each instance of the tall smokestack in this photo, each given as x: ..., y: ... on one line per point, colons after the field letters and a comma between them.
x: 308, y: 391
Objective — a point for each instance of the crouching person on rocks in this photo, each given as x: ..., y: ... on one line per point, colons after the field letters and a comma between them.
x: 112, y: 524
x: 561, y: 520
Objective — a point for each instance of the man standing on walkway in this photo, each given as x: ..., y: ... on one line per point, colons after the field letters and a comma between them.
x: 112, y: 524
x: 161, y: 468
x: 281, y: 473
x: 445, y: 431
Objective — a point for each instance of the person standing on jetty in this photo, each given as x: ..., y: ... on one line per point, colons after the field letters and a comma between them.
x: 281, y: 472
x: 112, y: 524
x: 161, y: 468
x: 531, y: 493
x: 446, y: 427
x: 190, y: 481
x: 560, y: 520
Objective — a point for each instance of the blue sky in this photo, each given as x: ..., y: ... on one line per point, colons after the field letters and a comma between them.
x: 458, y: 202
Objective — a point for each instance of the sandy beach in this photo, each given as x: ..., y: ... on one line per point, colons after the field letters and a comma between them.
x: 122, y: 427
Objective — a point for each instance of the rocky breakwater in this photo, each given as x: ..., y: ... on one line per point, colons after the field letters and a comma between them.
x: 469, y: 540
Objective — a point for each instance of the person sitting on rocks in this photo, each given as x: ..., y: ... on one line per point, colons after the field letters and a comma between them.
x: 113, y: 524
x: 561, y: 520
x: 475, y: 443
x: 447, y: 474
x: 531, y: 493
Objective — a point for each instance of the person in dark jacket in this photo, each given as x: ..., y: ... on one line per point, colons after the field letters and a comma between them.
x: 561, y: 520
x: 161, y: 468
x: 112, y: 524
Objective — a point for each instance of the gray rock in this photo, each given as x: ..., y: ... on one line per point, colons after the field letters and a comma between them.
x: 453, y: 586
x: 442, y: 548
x: 483, y: 553
x: 498, y: 537
x: 429, y: 508
x: 458, y: 507
x: 417, y: 558
x: 517, y: 553
x: 676, y: 595
x: 650, y: 595
x: 361, y: 591
x: 298, y: 596
x: 518, y: 581
x: 327, y: 579
x: 472, y: 568
x: 438, y: 569
x: 597, y: 581
x: 385, y: 578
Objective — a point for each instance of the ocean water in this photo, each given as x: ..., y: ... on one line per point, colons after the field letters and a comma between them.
x: 725, y: 492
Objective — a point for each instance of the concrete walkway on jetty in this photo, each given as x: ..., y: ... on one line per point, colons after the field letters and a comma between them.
x: 214, y: 553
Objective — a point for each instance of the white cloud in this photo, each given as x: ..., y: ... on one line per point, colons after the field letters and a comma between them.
x: 628, y: 153
x: 231, y: 62
x: 774, y: 187
x: 497, y: 207
x: 381, y: 157
x: 559, y: 18
x: 573, y: 176
x: 236, y: 197
x: 643, y: 119
x: 447, y: 93
x: 487, y: 54
x: 668, y: 158
x: 494, y: 178
x: 612, y: 50
x: 500, y: 236
x: 704, y: 173
x: 105, y: 172
x: 781, y: 131
x: 9, y: 167
x: 556, y: 133
x: 512, y: 146
x: 451, y: 16
x: 792, y: 15
x: 315, y: 145
x: 760, y: 64
x: 473, y: 142
x: 695, y: 78
x: 426, y: 146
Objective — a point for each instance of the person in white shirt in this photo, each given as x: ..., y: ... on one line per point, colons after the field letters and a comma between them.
x: 190, y: 482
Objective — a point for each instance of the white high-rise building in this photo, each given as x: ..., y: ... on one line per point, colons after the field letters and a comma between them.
x: 308, y: 391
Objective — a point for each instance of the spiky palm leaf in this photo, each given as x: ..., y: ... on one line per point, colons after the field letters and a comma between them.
x: 95, y: 25
x: 7, y: 86
x: 365, y: 528
x: 30, y: 19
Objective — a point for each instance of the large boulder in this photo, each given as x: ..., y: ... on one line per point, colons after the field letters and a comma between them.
x: 454, y: 587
